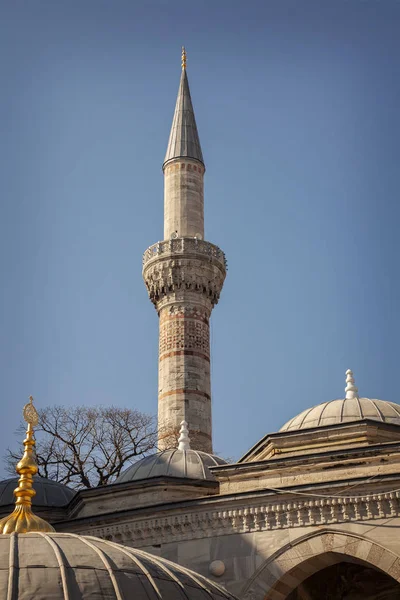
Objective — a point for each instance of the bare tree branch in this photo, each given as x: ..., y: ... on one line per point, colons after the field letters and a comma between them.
x: 87, y: 447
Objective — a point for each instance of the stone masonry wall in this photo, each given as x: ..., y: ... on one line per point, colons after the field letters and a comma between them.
x: 184, y: 375
x: 183, y: 199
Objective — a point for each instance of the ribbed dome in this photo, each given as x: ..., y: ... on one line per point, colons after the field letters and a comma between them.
x: 48, y: 493
x: 192, y: 464
x: 64, y: 565
x: 343, y: 411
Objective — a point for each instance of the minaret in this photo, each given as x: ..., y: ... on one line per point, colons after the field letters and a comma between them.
x: 184, y: 276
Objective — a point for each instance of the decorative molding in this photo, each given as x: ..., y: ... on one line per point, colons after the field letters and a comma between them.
x: 250, y: 518
x: 184, y: 264
x: 179, y: 311
x: 182, y: 332
x: 184, y: 246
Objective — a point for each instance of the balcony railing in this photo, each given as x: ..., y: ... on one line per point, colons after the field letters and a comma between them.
x: 184, y: 245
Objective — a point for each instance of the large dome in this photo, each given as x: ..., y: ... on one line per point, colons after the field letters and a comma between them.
x: 192, y: 464
x: 48, y: 493
x: 64, y: 565
x: 345, y: 410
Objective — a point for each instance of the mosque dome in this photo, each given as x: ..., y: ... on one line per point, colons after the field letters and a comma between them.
x: 345, y: 410
x: 175, y: 462
x: 48, y: 493
x: 192, y: 464
x: 36, y: 562
x: 65, y: 565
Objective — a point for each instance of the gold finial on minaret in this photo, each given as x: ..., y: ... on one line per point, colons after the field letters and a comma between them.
x: 183, y: 58
x: 22, y: 519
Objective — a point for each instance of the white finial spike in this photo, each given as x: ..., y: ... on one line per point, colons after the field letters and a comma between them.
x: 350, y: 389
x: 184, y: 441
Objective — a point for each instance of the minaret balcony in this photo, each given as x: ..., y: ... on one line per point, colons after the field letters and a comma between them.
x: 184, y: 265
x: 184, y: 245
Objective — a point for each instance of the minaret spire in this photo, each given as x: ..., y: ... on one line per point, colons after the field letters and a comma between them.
x: 184, y: 138
x: 183, y: 169
x: 184, y: 276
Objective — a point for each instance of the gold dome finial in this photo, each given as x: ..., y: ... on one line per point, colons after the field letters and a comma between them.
x: 22, y: 519
x: 183, y: 58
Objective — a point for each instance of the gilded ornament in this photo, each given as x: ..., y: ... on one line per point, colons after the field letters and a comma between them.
x: 183, y: 58
x: 22, y: 519
x: 30, y: 413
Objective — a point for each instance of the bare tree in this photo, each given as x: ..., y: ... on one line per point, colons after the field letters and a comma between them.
x: 88, y: 446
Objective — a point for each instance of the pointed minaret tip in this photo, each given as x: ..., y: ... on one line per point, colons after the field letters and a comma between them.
x: 184, y: 441
x: 183, y: 58
x: 350, y: 389
x: 184, y: 139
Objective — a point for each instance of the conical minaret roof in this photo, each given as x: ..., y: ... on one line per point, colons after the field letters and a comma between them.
x: 184, y: 138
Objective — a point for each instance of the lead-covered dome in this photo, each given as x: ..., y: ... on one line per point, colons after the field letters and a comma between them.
x: 64, y: 565
x: 175, y: 462
x: 192, y: 464
x: 345, y: 410
x: 48, y: 493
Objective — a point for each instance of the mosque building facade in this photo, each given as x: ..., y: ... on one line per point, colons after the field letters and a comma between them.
x: 309, y: 512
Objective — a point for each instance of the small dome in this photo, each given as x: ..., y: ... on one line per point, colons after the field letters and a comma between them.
x: 64, y: 565
x: 48, y: 493
x: 192, y: 464
x: 343, y: 411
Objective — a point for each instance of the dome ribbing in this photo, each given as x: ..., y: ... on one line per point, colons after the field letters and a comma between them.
x: 345, y: 410
x: 192, y: 464
x: 65, y: 566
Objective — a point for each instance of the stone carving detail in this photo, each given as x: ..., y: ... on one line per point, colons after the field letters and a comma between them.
x: 184, y: 333
x: 297, y: 513
x: 184, y: 246
x: 184, y: 264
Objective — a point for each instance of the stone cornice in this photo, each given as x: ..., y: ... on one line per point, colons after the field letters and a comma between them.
x: 288, y: 461
x: 241, y: 513
x: 324, y: 431
x: 244, y: 518
x: 139, y: 485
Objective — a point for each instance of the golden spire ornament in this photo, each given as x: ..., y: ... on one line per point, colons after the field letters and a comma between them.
x: 22, y: 519
x: 183, y: 58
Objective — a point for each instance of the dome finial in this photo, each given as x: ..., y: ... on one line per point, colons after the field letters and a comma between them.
x: 22, y: 519
x: 184, y: 441
x: 350, y: 389
x: 183, y: 58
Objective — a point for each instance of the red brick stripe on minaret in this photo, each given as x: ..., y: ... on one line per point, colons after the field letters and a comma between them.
x: 184, y: 391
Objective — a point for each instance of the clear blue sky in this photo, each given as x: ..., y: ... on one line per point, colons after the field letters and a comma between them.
x: 297, y: 105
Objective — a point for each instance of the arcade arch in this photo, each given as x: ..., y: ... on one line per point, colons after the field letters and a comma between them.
x: 287, y: 569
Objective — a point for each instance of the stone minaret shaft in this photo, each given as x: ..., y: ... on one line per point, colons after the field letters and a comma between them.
x: 184, y: 276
